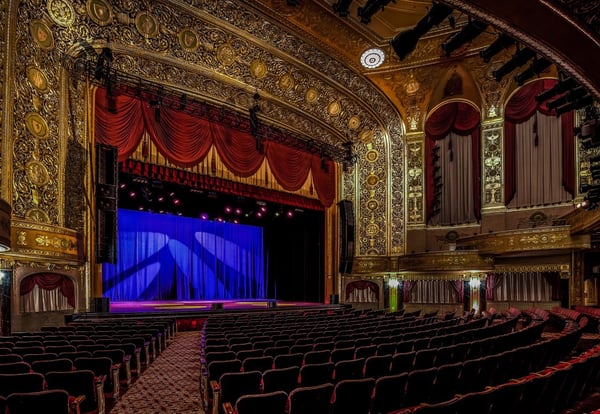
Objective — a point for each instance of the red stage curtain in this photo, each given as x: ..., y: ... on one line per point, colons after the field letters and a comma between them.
x: 122, y: 127
x: 290, y: 166
x: 324, y: 179
x: 185, y: 140
x: 50, y: 281
x: 522, y: 106
x: 407, y: 287
x: 460, y: 118
x: 459, y: 288
x: 237, y: 150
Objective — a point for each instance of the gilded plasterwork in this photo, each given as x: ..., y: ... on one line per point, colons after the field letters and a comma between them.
x: 46, y: 241
x: 415, y: 181
x: 396, y: 165
x: 492, y: 165
x: 446, y: 261
x: 3, y: 60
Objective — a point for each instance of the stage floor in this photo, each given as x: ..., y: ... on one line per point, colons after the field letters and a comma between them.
x: 208, y: 305
x: 198, y: 309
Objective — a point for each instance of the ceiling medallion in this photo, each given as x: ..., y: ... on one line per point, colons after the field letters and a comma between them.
x: 146, y: 24
x: 286, y: 82
x: 258, y: 69
x: 188, y: 39
x: 372, y: 58
x: 353, y: 122
x: 225, y: 54
x: 61, y: 12
x: 312, y: 95
x: 99, y: 11
x: 334, y: 108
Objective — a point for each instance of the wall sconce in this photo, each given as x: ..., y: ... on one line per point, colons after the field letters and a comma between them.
x: 474, y: 283
x: 393, y: 283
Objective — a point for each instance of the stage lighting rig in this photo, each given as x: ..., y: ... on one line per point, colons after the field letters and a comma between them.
x: 578, y: 103
x: 562, y: 86
x: 569, y: 97
x: 469, y: 32
x: 519, y: 59
x: 373, y: 6
x: 502, y: 42
x: 405, y: 42
x: 342, y: 7
x: 537, y: 67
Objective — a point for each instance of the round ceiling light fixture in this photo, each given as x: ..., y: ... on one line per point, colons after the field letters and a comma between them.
x: 372, y: 58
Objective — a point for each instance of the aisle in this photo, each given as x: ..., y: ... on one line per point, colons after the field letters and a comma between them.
x: 171, y: 383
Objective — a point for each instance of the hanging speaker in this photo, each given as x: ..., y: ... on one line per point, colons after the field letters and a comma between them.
x: 346, y: 211
x: 106, y: 203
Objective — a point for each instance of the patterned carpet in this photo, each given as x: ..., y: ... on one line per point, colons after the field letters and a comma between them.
x: 170, y: 385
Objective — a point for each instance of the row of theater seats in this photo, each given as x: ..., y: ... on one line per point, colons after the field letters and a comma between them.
x: 90, y: 363
x: 552, y: 390
x: 411, y: 383
x: 493, y: 368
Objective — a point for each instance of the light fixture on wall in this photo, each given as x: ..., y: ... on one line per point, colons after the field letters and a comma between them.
x: 474, y: 283
x: 393, y: 283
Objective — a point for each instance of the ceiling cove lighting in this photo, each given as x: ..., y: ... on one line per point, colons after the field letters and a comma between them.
x: 372, y: 58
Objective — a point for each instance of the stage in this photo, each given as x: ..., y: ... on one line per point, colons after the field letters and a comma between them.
x: 195, y: 310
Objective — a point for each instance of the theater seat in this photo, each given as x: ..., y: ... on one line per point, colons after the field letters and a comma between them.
x: 267, y: 403
x: 50, y: 401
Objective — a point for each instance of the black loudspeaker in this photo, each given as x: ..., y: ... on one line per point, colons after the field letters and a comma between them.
x: 107, y: 175
x: 101, y: 305
x: 218, y: 306
x: 271, y: 304
x: 346, y: 235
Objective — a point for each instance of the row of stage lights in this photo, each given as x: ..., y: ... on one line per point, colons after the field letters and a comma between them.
x: 573, y: 97
x: 144, y: 198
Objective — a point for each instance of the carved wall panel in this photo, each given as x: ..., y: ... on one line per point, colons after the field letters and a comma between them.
x: 397, y: 191
x: 415, y: 179
x: 492, y: 135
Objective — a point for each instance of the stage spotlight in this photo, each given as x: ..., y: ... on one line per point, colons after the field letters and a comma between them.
x: 562, y: 86
x: 519, y: 59
x: 571, y: 96
x: 342, y: 7
x: 537, y: 67
x: 502, y: 42
x: 373, y: 6
x: 405, y: 42
x: 473, y: 29
x: 576, y: 104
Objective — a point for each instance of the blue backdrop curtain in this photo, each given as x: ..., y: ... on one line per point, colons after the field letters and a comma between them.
x: 164, y: 257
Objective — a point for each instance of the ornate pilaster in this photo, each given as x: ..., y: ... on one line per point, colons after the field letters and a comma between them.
x: 415, y: 179
x: 491, y: 152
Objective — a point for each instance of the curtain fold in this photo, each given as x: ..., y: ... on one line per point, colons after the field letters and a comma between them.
x: 520, y: 108
x: 461, y: 119
x: 49, y: 281
x: 185, y: 140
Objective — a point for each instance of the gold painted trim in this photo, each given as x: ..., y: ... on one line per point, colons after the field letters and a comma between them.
x: 446, y: 261
x: 45, y: 241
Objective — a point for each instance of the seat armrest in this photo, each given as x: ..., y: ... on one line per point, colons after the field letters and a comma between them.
x: 216, y: 396
x: 227, y: 408
x: 99, y: 393
x: 74, y: 403
x: 115, y: 379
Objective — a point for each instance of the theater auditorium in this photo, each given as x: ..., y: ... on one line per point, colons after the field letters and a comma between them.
x: 299, y: 206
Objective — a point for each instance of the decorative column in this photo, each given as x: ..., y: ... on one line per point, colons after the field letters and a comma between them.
x: 491, y: 174
x: 415, y: 178
x: 393, y: 284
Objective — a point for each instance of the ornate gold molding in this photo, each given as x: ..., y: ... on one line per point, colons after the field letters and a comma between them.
x: 582, y: 220
x: 45, y: 241
x: 563, y: 269
x: 512, y: 241
x: 450, y: 261
x: 492, y: 134
x: 372, y: 264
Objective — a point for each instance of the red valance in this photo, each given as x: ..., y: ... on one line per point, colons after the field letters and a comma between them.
x: 50, y: 281
x: 521, y: 107
x: 460, y: 118
x: 186, y: 139
x: 209, y: 183
x: 361, y: 285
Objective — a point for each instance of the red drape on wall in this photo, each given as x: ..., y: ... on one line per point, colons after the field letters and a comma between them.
x: 460, y: 118
x: 185, y: 140
x: 50, y: 281
x: 520, y: 107
x: 362, y: 284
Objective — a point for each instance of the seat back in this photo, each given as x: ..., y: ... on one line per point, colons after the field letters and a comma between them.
x: 235, y: 384
x: 24, y: 382
x: 76, y: 383
x: 218, y: 368
x: 51, y: 401
x: 289, y: 360
x: 317, y: 357
x: 261, y: 363
x: 267, y: 403
x: 352, y: 396
x: 389, y: 392
x: 348, y: 369
x: 377, y: 366
x: 15, y: 368
x: 46, y: 356
x: 311, y: 400
x: 280, y: 379
x: 60, y: 364
x: 316, y: 374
